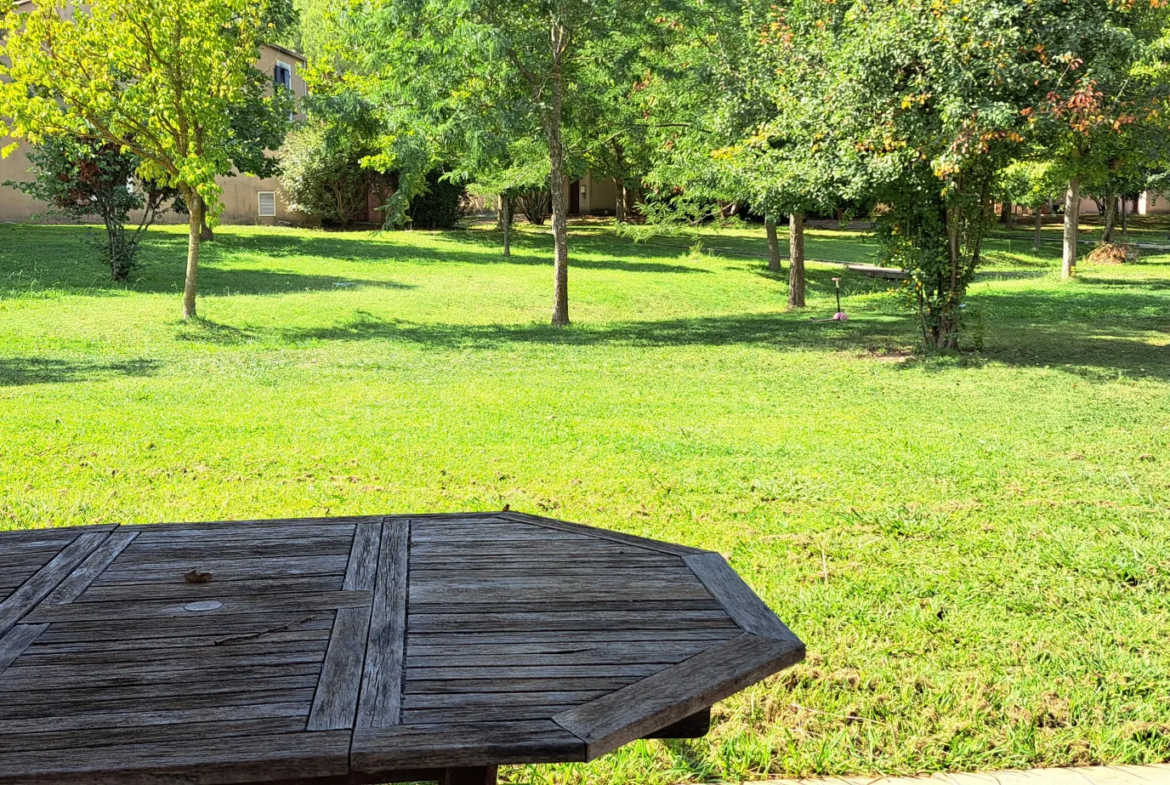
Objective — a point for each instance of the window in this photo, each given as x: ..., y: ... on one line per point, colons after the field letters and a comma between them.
x: 268, y: 204
x: 282, y: 75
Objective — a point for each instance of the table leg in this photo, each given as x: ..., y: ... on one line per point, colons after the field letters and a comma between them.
x: 470, y: 775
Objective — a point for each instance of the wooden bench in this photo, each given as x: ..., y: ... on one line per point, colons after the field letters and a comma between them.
x: 361, y: 649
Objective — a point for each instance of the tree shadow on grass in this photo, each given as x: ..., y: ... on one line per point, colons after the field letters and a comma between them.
x: 1134, y: 283
x: 57, y: 259
x: 1096, y: 335
x: 20, y: 371
x: 779, y: 330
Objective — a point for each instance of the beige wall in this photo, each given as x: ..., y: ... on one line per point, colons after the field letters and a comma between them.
x: 241, y: 194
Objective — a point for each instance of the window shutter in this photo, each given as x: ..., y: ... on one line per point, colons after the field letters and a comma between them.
x: 267, y: 204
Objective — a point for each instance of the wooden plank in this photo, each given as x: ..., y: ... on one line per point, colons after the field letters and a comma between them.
x: 491, y: 532
x: 80, y: 579
x: 589, y: 605
x: 504, y: 672
x: 229, y: 606
x: 484, y: 713
x: 258, y: 525
x: 605, y: 534
x: 292, y: 756
x: 677, y: 692
x: 189, y: 592
x: 99, y: 721
x: 361, y: 570
x: 449, y: 701
x: 523, y: 549
x: 381, y: 696
x: 193, y: 728
x: 160, y: 647
x: 199, y: 658
x: 20, y: 679
x: 470, y: 563
x: 335, y: 704
x: 203, y: 554
x: 580, y: 620
x: 202, y: 649
x: 453, y: 686
x: 223, y: 630
x: 132, y: 696
x: 21, y: 602
x: 226, y: 569
x: 16, y: 641
x: 568, y: 653
x: 552, y: 570
x: 199, y: 702
x: 462, y: 744
x: 532, y: 591
x: 741, y: 603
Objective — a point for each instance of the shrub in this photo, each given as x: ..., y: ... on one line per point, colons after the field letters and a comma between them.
x: 441, y: 205
x: 322, y: 176
x: 80, y: 178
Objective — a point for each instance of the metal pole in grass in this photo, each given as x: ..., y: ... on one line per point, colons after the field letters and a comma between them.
x: 840, y: 315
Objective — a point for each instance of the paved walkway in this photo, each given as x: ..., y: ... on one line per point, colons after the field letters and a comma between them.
x: 1089, y: 775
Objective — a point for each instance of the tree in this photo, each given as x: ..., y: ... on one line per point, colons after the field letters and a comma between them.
x: 737, y: 127
x: 926, y: 104
x: 482, y: 67
x: 80, y: 178
x: 1105, y: 106
x: 1031, y: 184
x: 157, y: 79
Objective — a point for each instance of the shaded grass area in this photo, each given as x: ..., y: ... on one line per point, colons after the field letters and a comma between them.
x: 976, y: 547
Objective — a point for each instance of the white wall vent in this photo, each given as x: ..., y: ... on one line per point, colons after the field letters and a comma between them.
x: 267, y: 204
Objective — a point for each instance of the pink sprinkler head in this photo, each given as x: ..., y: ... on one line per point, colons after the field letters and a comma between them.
x: 840, y: 317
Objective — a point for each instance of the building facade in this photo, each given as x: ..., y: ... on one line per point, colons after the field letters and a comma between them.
x: 246, y: 199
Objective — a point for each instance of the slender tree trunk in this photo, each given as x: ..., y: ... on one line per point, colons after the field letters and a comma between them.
x: 1124, y: 223
x: 774, y: 264
x: 560, y: 223
x: 1005, y: 213
x: 1072, y: 218
x: 1110, y: 217
x: 506, y: 223
x: 1038, y: 221
x: 619, y: 210
x: 194, y: 222
x: 796, y: 260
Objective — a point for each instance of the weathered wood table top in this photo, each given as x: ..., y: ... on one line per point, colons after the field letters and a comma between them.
x: 349, y: 650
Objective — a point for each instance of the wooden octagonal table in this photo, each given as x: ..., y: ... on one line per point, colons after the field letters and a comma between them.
x: 361, y: 649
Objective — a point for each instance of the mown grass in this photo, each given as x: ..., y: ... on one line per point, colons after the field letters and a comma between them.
x: 975, y: 547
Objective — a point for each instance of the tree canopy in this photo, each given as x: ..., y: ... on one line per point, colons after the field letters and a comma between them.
x: 158, y: 79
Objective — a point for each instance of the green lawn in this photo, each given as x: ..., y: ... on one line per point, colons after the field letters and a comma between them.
x: 976, y: 548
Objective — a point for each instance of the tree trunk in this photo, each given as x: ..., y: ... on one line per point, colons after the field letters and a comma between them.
x: 1110, y: 217
x: 1124, y: 223
x: 1038, y: 220
x: 1072, y: 218
x: 774, y: 265
x: 796, y: 260
x: 556, y: 155
x: 1005, y: 213
x: 619, y: 210
x: 506, y: 223
x: 194, y: 222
